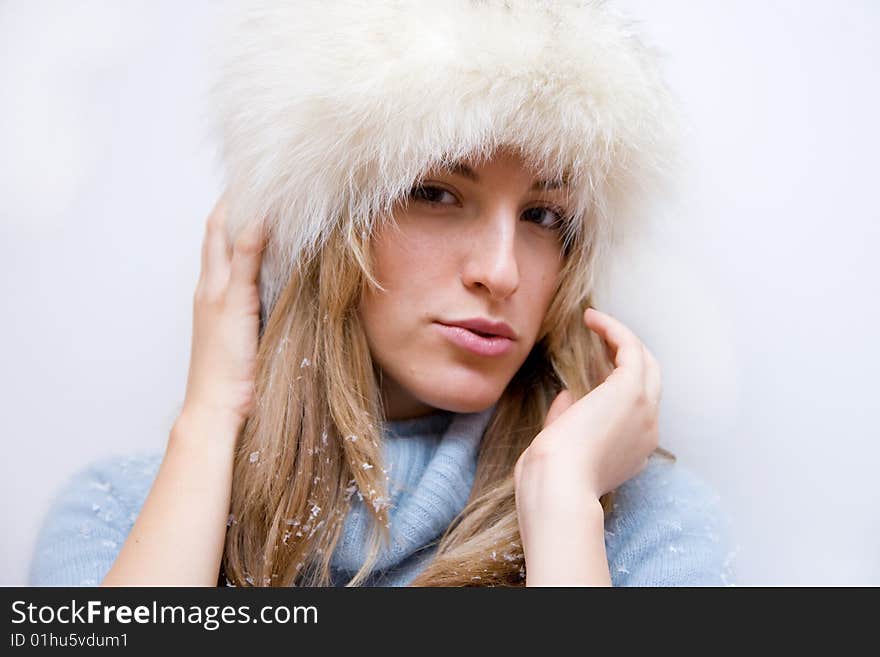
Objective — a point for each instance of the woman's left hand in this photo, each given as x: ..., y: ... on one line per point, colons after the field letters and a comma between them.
x: 590, y: 446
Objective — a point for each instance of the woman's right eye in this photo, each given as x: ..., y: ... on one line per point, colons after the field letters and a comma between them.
x: 429, y: 194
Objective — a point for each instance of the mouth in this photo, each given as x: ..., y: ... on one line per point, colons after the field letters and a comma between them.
x: 476, y: 341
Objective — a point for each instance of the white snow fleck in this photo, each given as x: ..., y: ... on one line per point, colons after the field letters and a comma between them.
x: 366, y: 466
x: 100, y: 485
x: 305, y: 363
x: 230, y: 520
x: 622, y: 569
x: 254, y: 457
x: 324, y: 437
x: 351, y: 438
x: 249, y: 580
x: 108, y: 543
x: 96, y: 507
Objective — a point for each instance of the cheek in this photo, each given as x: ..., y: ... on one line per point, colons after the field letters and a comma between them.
x: 542, y: 288
x: 390, y: 315
x: 413, y: 264
x: 399, y: 255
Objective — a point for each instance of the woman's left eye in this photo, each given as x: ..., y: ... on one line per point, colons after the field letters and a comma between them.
x: 545, y: 217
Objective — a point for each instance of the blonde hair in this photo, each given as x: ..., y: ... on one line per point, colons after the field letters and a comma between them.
x: 295, y: 472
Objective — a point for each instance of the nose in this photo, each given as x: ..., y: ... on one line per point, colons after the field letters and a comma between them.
x: 491, y: 260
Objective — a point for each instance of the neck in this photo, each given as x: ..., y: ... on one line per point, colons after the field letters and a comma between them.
x: 399, y: 404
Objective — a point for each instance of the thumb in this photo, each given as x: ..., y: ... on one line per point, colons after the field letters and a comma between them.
x: 562, y: 401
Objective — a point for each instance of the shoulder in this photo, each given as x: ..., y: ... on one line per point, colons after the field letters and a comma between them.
x: 669, y: 527
x: 89, y: 518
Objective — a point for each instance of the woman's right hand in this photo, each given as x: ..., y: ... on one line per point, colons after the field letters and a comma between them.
x: 226, y: 320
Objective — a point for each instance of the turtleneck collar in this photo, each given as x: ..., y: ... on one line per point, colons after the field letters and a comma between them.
x: 430, y: 462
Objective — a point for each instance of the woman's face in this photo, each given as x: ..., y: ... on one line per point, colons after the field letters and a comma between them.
x: 478, y: 243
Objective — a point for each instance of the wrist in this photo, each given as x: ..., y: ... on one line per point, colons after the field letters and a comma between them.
x: 547, y: 477
x: 567, y: 515
x: 548, y: 488
x: 201, y: 424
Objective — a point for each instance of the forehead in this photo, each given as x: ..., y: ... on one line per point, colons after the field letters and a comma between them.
x: 470, y: 168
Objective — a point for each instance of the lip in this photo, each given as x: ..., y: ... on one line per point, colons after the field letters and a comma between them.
x: 484, y: 326
x: 495, y: 345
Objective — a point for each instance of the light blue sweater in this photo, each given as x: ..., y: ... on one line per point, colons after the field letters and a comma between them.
x: 668, y: 527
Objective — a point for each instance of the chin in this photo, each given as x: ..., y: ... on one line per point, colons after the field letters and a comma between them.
x: 465, y: 396
x: 466, y: 405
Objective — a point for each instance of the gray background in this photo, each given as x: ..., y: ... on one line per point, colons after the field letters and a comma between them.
x: 756, y: 294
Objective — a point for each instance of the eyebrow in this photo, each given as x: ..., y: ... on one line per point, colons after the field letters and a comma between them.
x: 539, y: 185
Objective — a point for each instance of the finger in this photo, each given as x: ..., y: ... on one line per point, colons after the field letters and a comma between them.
x: 561, y: 403
x: 247, y: 253
x: 216, y: 251
x: 625, y: 346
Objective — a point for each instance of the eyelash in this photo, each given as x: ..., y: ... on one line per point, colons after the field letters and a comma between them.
x: 556, y: 225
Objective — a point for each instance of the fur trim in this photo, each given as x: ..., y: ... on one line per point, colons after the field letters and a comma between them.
x: 330, y: 110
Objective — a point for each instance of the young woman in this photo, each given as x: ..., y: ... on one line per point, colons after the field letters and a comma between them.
x: 397, y: 377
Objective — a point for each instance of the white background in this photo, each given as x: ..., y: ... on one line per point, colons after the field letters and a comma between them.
x: 759, y: 297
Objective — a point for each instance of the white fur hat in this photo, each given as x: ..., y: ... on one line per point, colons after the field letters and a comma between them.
x: 329, y: 111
